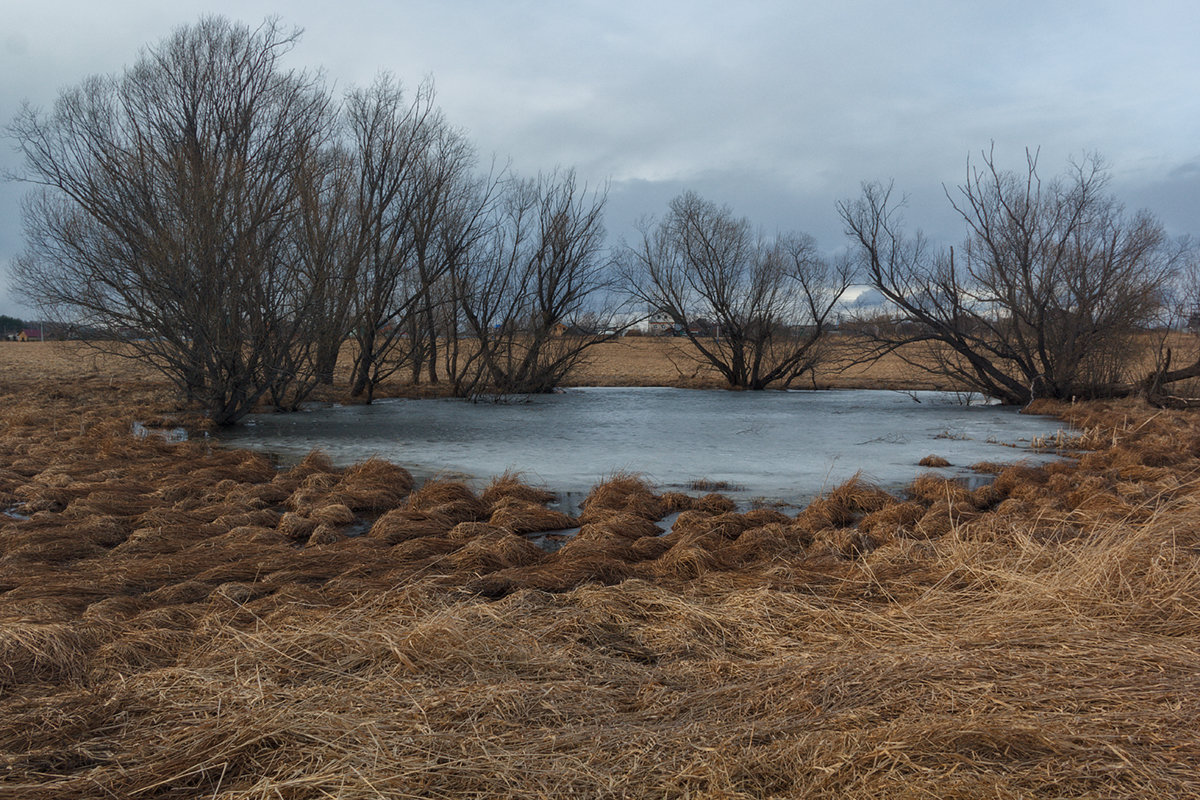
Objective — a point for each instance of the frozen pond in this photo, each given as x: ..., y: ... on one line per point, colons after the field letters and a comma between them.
x: 786, y: 446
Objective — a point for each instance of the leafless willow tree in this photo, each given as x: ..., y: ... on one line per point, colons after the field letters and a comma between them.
x: 454, y: 213
x: 329, y: 253
x: 390, y: 136
x: 756, y: 309
x: 523, y: 292
x: 1045, y: 298
x: 170, y: 207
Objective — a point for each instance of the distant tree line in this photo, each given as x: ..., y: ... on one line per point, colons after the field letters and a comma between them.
x: 232, y: 222
x: 10, y: 325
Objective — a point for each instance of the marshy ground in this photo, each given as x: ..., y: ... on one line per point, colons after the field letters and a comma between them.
x: 182, y: 620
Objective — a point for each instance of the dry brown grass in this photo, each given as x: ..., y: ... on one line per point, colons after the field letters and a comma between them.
x: 167, y: 631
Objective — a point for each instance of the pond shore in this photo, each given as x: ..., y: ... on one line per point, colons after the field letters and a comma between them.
x: 179, y: 619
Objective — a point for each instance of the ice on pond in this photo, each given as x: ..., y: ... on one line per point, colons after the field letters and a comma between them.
x: 780, y: 446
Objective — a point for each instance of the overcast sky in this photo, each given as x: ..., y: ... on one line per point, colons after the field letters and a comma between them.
x: 778, y: 109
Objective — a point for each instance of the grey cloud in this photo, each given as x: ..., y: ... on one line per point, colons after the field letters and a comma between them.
x: 777, y: 108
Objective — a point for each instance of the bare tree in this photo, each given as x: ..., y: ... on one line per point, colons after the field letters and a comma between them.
x: 390, y: 135
x: 330, y: 252
x: 453, y: 213
x: 1045, y: 298
x: 520, y: 294
x: 169, y: 207
x: 753, y: 308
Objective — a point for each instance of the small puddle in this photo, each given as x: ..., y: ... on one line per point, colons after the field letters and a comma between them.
x: 170, y: 435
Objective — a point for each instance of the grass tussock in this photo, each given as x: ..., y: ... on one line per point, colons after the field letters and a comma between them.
x: 181, y: 621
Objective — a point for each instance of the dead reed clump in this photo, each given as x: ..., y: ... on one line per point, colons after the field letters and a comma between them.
x: 1107, y: 505
x: 34, y: 498
x: 558, y: 573
x: 986, y: 497
x: 520, y: 516
x: 63, y: 549
x: 323, y: 534
x: 630, y: 526
x: 437, y: 493
x: 336, y: 515
x: 43, y: 653
x: 1080, y: 489
x: 373, y: 485
x: 314, y: 490
x: 259, y: 518
x: 933, y: 461
x: 860, y: 497
x: 490, y: 553
x: 893, y: 519
x: 296, y: 527
x: 759, y: 544
x: 931, y: 488
x: 263, y: 494
x: 180, y: 617
x: 693, y: 525
x: 402, y: 524
x: 102, y: 531
x: 1142, y: 473
x: 649, y: 548
x: 596, y: 541
x: 713, y: 504
x: 824, y: 514
x: 183, y: 592
x: 421, y: 550
x: 239, y: 593
x: 116, y: 608
x: 1097, y: 460
x: 452, y: 500
x: 1020, y: 476
x: 627, y: 493
x: 676, y: 501
x: 162, y: 539
x: 110, y: 503
x: 941, y: 518
x: 843, y: 506
x: 685, y: 562
x: 730, y: 525
x: 510, y: 487
x: 139, y: 651
x: 850, y: 544
x: 315, y: 463
x: 465, y: 531
x: 767, y: 516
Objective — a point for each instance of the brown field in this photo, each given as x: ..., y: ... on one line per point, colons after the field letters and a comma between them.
x: 182, y: 620
x: 654, y: 361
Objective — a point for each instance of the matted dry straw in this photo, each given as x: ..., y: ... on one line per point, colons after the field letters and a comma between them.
x: 872, y: 646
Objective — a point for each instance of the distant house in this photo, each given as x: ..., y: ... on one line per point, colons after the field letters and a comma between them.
x: 30, y: 335
x: 661, y: 324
